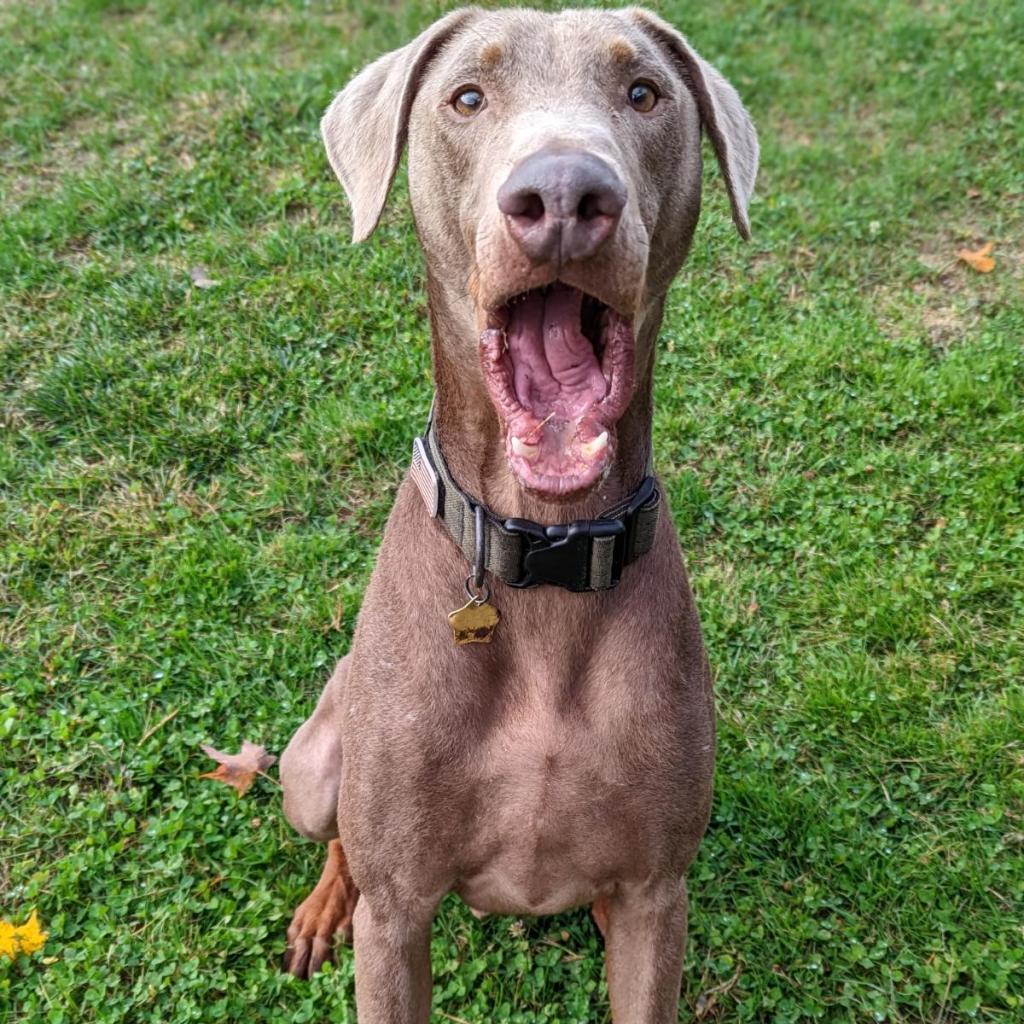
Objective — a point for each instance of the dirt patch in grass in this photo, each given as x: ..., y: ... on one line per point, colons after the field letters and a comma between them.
x: 75, y: 149
x: 935, y: 309
x: 972, y: 229
x: 945, y: 325
x: 947, y: 301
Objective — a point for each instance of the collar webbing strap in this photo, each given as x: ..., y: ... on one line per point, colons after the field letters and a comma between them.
x: 588, y: 554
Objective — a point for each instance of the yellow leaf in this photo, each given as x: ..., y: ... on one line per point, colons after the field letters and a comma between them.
x: 30, y: 935
x: 24, y: 938
x: 979, y: 259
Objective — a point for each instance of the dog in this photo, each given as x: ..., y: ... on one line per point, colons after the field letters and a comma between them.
x: 525, y: 717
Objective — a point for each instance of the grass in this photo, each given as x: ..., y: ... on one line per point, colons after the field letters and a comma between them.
x: 193, y: 483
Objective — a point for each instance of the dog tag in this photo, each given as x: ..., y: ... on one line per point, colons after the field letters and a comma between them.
x: 474, y: 623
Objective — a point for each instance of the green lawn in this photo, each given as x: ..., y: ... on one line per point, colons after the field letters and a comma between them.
x: 193, y: 483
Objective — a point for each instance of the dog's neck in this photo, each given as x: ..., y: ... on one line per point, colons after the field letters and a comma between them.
x: 471, y: 438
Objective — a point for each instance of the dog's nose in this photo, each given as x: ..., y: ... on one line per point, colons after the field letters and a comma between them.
x: 561, y: 204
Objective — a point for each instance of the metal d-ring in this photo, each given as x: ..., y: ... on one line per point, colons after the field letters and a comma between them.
x: 483, y: 591
x: 479, y: 547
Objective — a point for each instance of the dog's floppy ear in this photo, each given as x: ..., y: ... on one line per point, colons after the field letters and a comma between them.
x: 722, y: 113
x: 365, y: 127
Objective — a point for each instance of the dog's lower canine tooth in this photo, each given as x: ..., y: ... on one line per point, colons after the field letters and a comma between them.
x: 592, y: 448
x: 524, y: 450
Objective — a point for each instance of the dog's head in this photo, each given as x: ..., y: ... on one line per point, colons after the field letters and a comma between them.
x: 555, y: 172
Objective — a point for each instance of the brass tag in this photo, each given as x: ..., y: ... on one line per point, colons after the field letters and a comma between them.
x: 474, y: 623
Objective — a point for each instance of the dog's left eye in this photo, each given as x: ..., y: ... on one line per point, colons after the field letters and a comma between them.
x: 642, y: 97
x: 469, y: 102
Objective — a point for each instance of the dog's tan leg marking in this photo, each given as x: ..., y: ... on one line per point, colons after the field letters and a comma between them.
x: 645, y: 937
x: 322, y: 917
x: 599, y: 911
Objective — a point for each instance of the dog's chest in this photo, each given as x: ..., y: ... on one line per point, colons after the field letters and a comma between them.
x: 573, y: 788
x: 532, y: 774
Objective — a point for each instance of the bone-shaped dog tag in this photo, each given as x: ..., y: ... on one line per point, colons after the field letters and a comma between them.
x: 474, y: 623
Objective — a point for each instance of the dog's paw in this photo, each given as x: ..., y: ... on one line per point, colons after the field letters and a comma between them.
x: 323, y: 918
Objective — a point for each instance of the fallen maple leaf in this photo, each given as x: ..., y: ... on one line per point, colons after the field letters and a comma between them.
x: 238, y: 770
x: 979, y: 259
x: 24, y: 938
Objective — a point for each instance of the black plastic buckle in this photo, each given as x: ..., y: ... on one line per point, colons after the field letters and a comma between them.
x: 560, y: 555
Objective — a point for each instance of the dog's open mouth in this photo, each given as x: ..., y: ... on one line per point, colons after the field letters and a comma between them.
x: 559, y: 368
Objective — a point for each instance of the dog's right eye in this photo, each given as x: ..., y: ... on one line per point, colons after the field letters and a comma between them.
x: 468, y: 102
x: 643, y: 96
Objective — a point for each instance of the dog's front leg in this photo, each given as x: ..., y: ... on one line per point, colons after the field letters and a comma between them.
x: 645, y: 938
x: 392, y: 950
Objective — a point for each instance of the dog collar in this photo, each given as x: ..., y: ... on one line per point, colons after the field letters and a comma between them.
x: 586, y: 554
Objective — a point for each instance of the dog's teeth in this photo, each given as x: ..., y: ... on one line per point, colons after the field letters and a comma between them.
x: 524, y: 450
x: 592, y: 448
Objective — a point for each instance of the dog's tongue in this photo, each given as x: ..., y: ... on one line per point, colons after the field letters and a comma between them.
x: 556, y: 371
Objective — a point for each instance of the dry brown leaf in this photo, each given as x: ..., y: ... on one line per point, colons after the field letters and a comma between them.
x: 238, y: 770
x: 707, y: 1001
x: 978, y: 259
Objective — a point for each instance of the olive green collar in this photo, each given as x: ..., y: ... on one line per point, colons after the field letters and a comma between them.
x: 583, y: 555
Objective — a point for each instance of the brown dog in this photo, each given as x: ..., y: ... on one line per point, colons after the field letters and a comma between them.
x: 555, y: 175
